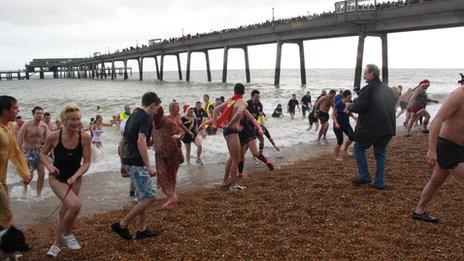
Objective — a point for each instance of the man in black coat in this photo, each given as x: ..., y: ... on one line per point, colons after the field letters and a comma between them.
x: 376, y: 125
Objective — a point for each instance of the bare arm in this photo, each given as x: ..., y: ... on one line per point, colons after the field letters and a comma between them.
x: 216, y: 110
x: 334, y: 118
x: 49, y: 144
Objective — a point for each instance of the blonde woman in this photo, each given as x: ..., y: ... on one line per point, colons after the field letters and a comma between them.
x: 71, y: 147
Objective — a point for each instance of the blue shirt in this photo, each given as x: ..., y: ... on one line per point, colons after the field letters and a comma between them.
x: 343, y: 119
x: 338, y: 98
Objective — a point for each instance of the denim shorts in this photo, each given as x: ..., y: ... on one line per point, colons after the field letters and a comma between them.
x: 144, y: 187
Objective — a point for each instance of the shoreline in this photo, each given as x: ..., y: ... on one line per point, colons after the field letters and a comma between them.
x: 307, y: 209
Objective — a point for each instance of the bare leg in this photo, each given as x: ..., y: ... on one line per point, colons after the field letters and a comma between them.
x: 40, y: 179
x: 438, y: 178
x: 188, y: 147
x: 412, y: 120
x: 70, y: 208
x: 199, y: 146
x: 458, y: 172
x: 399, y: 114
x: 138, y: 210
x: 233, y: 143
x: 426, y: 115
x: 337, y: 153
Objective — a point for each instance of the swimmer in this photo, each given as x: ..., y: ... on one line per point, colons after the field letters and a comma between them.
x: 323, y: 106
x: 31, y: 138
x: 97, y: 131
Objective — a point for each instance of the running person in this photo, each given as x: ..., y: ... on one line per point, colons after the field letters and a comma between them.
x: 292, y: 103
x: 97, y: 130
x: 232, y: 112
x: 417, y: 105
x: 70, y: 146
x: 9, y: 151
x: 403, y: 101
x: 31, y: 138
x: 446, y: 147
x: 342, y: 125
x: 306, y: 104
x: 188, y: 121
x: 324, y: 104
x: 200, y: 116
x: 136, y: 164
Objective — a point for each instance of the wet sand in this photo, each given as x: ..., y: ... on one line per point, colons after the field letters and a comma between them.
x: 307, y: 209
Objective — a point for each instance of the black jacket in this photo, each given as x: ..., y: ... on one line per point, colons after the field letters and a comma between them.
x: 376, y: 108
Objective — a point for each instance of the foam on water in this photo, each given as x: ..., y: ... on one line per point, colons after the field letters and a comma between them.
x: 112, y: 95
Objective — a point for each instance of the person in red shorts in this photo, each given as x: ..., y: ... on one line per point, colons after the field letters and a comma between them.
x: 416, y: 106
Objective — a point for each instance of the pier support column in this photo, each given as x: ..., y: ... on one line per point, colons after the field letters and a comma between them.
x: 302, y: 63
x: 208, y: 70
x: 140, y: 63
x: 19, y: 76
x: 278, y: 62
x: 85, y: 71
x: 359, y: 60
x: 78, y: 72
x: 0, y: 76
x: 27, y: 74
x: 187, y: 72
x: 125, y: 70
x: 92, y: 69
x: 157, y: 68
x: 384, y: 38
x: 41, y: 73
x: 113, y: 72
x: 179, y: 69
x: 247, y: 64
x: 162, y: 68
x: 102, y: 71
x: 224, y: 65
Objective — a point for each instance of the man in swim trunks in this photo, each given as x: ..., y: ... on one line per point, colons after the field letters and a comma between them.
x: 341, y: 121
x: 417, y: 104
x: 306, y: 104
x: 446, y: 147
x: 232, y: 112
x: 9, y: 151
x: 324, y: 104
x: 292, y: 103
x: 31, y: 138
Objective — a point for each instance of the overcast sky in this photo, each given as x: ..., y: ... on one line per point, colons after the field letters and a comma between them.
x: 44, y: 29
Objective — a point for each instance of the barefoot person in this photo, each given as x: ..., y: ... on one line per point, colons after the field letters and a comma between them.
x: 232, y: 112
x: 446, y: 147
x: 166, y: 135
x: 342, y: 125
x: 71, y: 146
x: 136, y: 163
x: 376, y: 126
x: 403, y: 101
x: 31, y: 137
x: 188, y: 121
x: 323, y: 106
x: 292, y: 103
x: 9, y: 151
x: 306, y: 103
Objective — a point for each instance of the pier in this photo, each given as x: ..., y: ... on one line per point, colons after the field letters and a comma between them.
x: 361, y: 18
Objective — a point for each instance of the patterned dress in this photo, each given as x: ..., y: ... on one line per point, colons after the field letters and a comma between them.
x: 168, y: 154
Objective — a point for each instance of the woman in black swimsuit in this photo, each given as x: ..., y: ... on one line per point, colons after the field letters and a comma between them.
x: 70, y: 145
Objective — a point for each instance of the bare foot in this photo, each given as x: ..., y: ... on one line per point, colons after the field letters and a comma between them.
x: 171, y: 201
x: 338, y: 159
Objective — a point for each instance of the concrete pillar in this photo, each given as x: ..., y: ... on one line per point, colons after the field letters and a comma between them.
x: 19, y: 76
x: 157, y: 68
x: 125, y: 70
x: 384, y: 38
x: 41, y: 73
x: 55, y: 73
x: 208, y: 70
x: 302, y: 63
x: 179, y: 69
x: 0, y: 76
x: 102, y: 71
x: 278, y: 62
x: 162, y: 67
x: 27, y: 74
x: 187, y: 72
x: 359, y: 60
x: 85, y: 71
x: 224, y: 65
x: 140, y: 62
x: 247, y: 64
x: 92, y: 69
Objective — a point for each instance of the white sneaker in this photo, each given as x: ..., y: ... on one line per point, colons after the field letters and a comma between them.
x: 236, y: 188
x: 54, y: 251
x: 71, y: 242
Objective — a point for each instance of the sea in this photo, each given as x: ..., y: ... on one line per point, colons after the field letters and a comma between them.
x: 112, y: 95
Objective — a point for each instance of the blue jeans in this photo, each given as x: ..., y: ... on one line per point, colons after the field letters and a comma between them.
x: 380, y: 151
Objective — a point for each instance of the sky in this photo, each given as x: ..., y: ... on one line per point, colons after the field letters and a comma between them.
x: 53, y: 29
